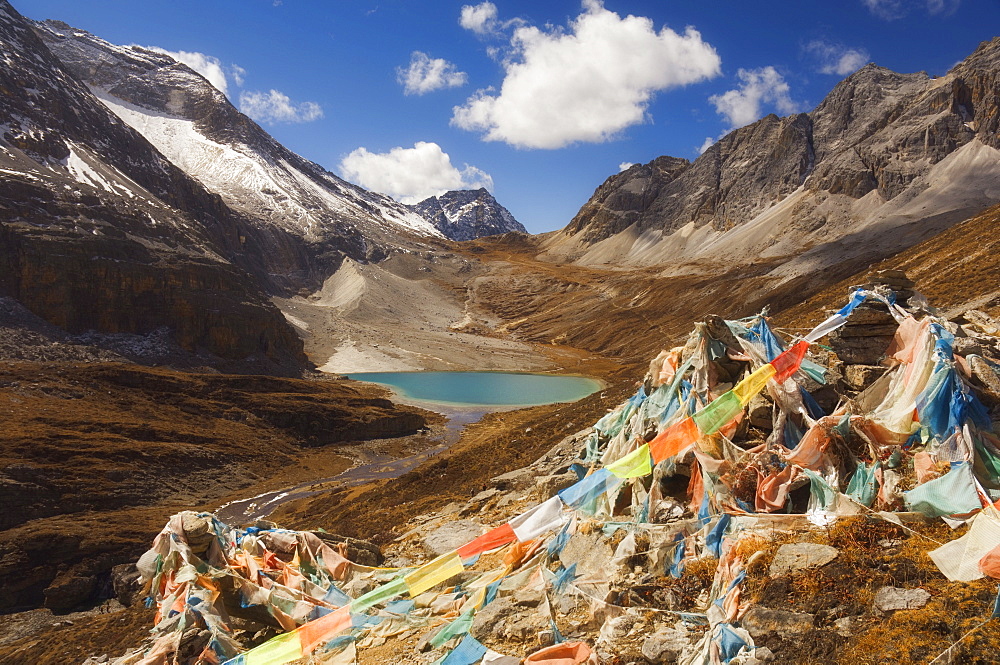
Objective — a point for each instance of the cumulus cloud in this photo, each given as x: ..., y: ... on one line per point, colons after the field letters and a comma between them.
x: 426, y: 74
x: 625, y: 166
x: 757, y: 87
x: 206, y: 65
x: 890, y: 10
x: 706, y: 144
x: 411, y: 175
x: 480, y: 19
x: 274, y: 107
x: 586, y: 83
x: 837, y: 58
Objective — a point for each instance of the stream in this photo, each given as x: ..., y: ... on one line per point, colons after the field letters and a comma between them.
x: 371, y: 467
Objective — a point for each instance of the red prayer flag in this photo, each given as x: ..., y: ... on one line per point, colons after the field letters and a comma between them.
x: 789, y: 362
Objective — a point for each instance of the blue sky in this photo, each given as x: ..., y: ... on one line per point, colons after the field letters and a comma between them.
x: 539, y: 101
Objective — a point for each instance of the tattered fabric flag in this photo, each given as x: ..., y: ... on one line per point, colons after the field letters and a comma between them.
x: 753, y: 384
x: 498, y: 537
x: 543, y: 517
x: 952, y: 494
x: 469, y: 651
x: 959, y: 559
x: 433, y: 572
x: 821, y: 495
x: 567, y: 653
x: 324, y: 629
x: 634, y: 465
x: 281, y: 649
x: 459, y: 626
x: 838, y: 319
x: 718, y: 413
x: 674, y: 440
x: 713, y: 540
x: 788, y: 363
x: 583, y: 491
x: 378, y: 595
x: 861, y: 487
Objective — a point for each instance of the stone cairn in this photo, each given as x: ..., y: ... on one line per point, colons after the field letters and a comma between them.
x: 861, y: 344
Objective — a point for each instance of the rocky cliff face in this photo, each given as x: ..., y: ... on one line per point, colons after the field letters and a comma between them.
x: 100, y: 231
x: 193, y: 124
x: 468, y: 214
x: 885, y: 161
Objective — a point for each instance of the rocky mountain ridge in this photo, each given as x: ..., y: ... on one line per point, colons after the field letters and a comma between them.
x: 883, y: 151
x: 100, y: 231
x: 468, y: 214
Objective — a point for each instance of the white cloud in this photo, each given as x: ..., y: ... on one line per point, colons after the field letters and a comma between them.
x: 837, y: 58
x: 206, y: 65
x: 426, y: 74
x: 625, y: 166
x: 891, y: 10
x: 945, y: 7
x: 758, y: 86
x: 274, y: 106
x: 886, y: 9
x: 480, y: 19
x: 586, y: 83
x: 708, y: 143
x: 239, y: 74
x: 411, y: 175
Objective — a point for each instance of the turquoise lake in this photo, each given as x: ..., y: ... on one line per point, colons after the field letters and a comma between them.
x: 483, y: 388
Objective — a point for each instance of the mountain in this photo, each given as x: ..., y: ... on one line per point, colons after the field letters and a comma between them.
x: 468, y: 214
x: 100, y: 231
x: 885, y: 161
x: 195, y: 127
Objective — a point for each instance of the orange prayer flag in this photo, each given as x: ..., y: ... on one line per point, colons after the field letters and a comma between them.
x: 324, y: 628
x: 673, y: 440
x: 488, y: 541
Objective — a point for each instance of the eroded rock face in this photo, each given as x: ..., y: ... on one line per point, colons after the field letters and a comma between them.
x: 877, y: 132
x: 99, y: 231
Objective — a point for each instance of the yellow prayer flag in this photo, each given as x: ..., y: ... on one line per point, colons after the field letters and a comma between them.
x: 433, y: 572
x: 276, y: 651
x: 634, y: 465
x: 753, y: 384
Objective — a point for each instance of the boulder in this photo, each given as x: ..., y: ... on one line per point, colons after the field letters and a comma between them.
x: 359, y: 551
x: 799, y: 556
x: 760, y: 621
x: 547, y: 486
x: 890, y: 598
x: 666, y: 644
x: 69, y: 590
x: 860, y: 377
x: 127, y: 583
x: 503, y: 620
x: 449, y: 537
